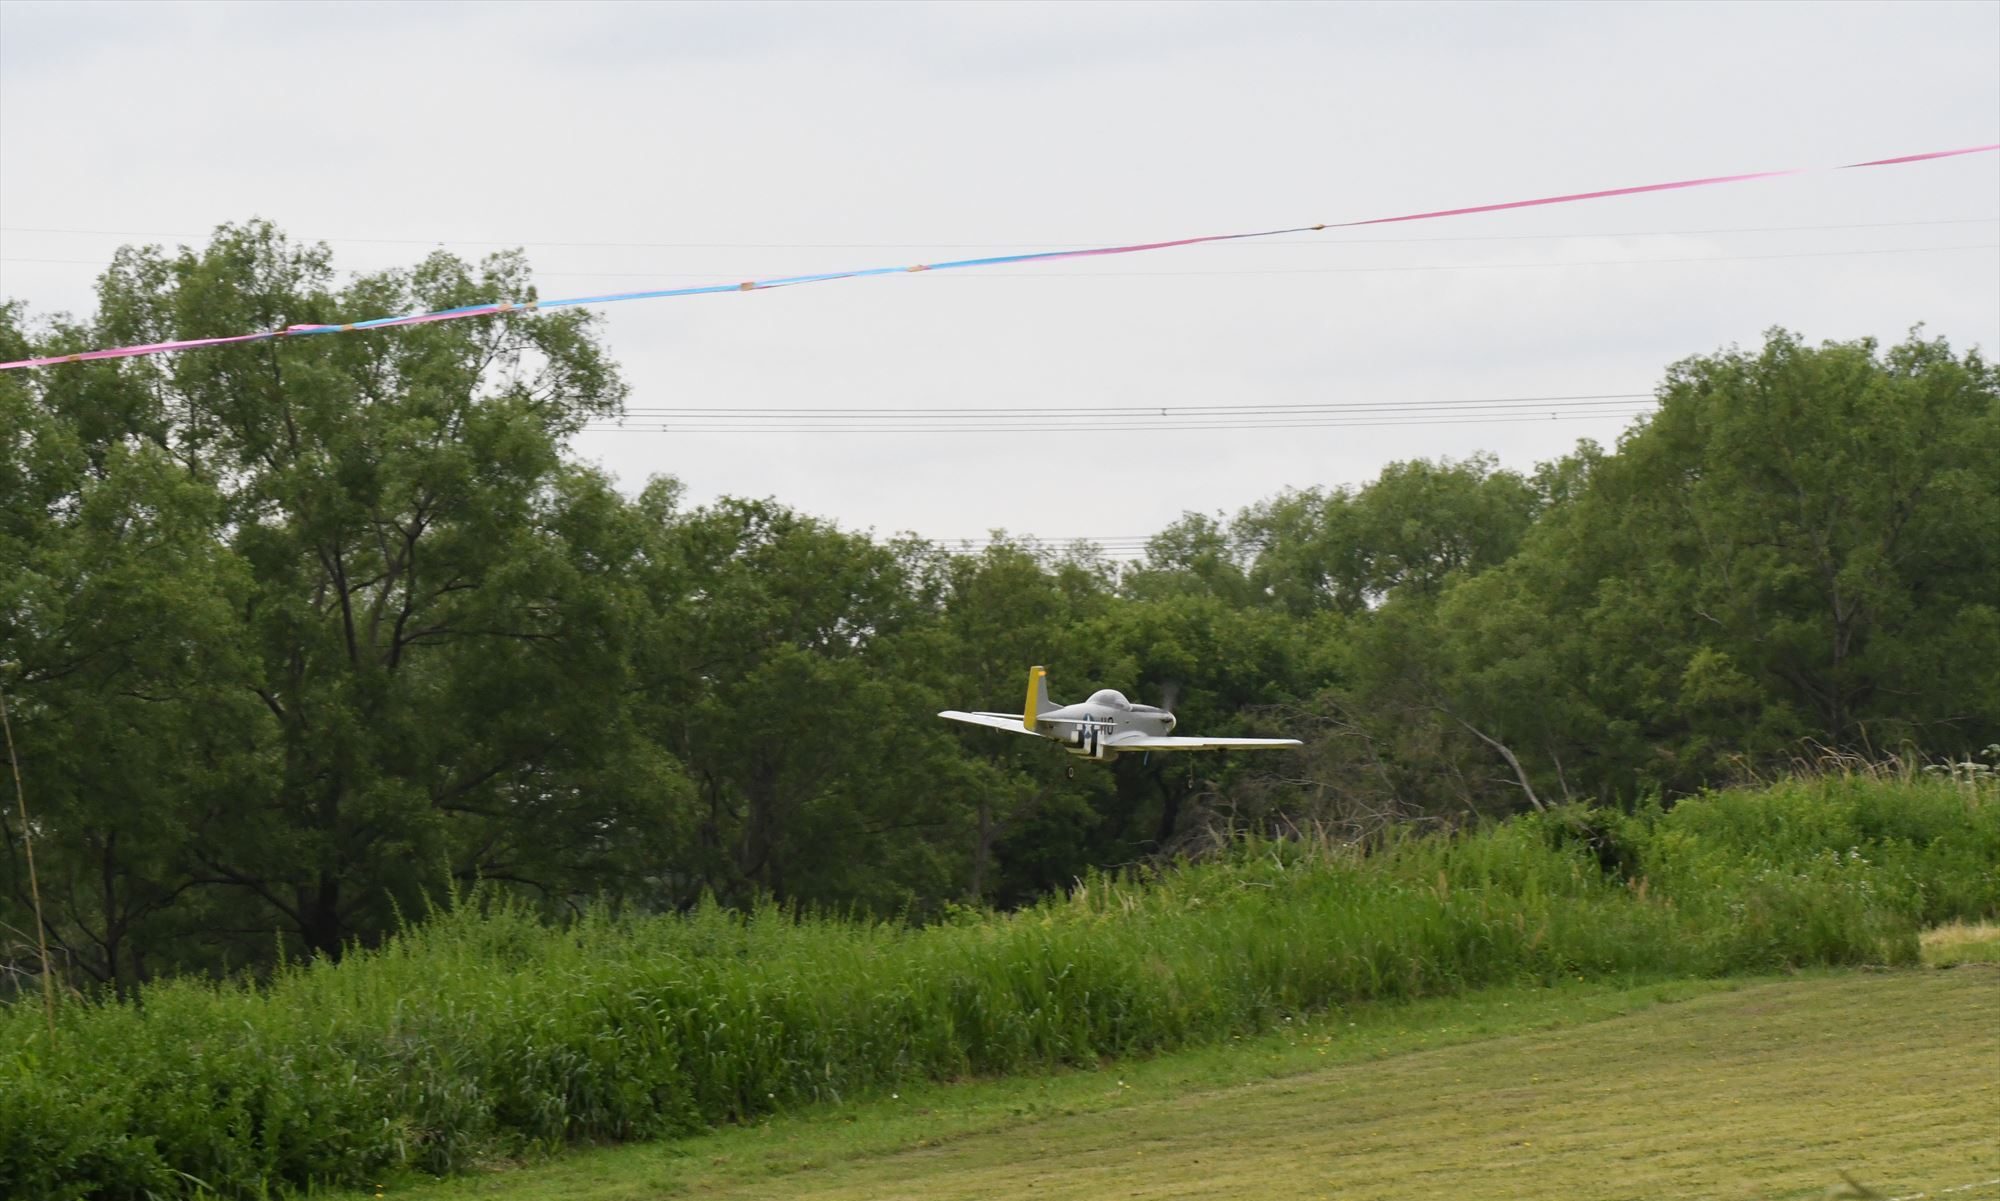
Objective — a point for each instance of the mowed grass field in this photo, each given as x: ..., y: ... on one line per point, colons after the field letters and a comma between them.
x: 1761, y: 1089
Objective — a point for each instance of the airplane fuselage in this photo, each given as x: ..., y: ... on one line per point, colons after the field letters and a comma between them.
x: 1083, y: 728
x: 1105, y: 725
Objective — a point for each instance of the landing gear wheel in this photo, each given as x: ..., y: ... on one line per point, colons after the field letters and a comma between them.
x: 1069, y: 773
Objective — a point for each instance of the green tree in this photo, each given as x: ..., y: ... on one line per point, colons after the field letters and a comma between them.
x: 1420, y: 523
x: 1195, y: 556
x: 1406, y: 532
x: 813, y: 754
x: 411, y: 610
x: 1797, y: 545
x: 116, y: 606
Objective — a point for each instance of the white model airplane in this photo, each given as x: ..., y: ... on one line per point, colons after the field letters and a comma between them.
x: 1105, y: 725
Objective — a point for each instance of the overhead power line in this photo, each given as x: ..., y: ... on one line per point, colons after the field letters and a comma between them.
x: 1133, y: 549
x: 1129, y: 544
x: 1131, y: 418
x: 1048, y: 426
x: 1117, y: 543
x: 1172, y: 409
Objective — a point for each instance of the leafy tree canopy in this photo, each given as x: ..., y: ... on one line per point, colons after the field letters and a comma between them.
x: 302, y: 634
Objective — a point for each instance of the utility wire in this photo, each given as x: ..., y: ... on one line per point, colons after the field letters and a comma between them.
x: 1149, y: 410
x: 1083, y: 421
x: 1085, y: 426
x: 1125, y: 418
x: 1132, y: 547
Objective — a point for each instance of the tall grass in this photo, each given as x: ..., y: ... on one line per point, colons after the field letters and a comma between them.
x: 481, y: 1031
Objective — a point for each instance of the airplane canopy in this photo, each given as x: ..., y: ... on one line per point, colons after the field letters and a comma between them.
x: 1110, y: 697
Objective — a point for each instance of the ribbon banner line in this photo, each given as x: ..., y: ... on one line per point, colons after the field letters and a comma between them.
x: 1043, y: 256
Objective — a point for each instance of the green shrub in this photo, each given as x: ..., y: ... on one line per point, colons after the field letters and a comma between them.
x: 482, y: 1031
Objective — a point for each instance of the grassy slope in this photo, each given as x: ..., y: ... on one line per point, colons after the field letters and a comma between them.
x: 1764, y: 1089
x: 483, y: 1033
x: 1962, y: 942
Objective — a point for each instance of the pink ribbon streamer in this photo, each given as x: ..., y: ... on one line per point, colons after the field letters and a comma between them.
x: 485, y: 310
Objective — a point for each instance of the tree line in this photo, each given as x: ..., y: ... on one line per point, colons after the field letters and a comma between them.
x: 300, y: 636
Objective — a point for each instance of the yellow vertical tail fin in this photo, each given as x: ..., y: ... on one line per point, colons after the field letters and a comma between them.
x: 1038, y: 696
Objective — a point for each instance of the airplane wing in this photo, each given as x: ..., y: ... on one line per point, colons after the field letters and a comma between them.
x: 1149, y: 742
x: 1011, y: 722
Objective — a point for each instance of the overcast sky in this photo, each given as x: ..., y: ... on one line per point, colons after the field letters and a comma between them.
x: 778, y: 139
